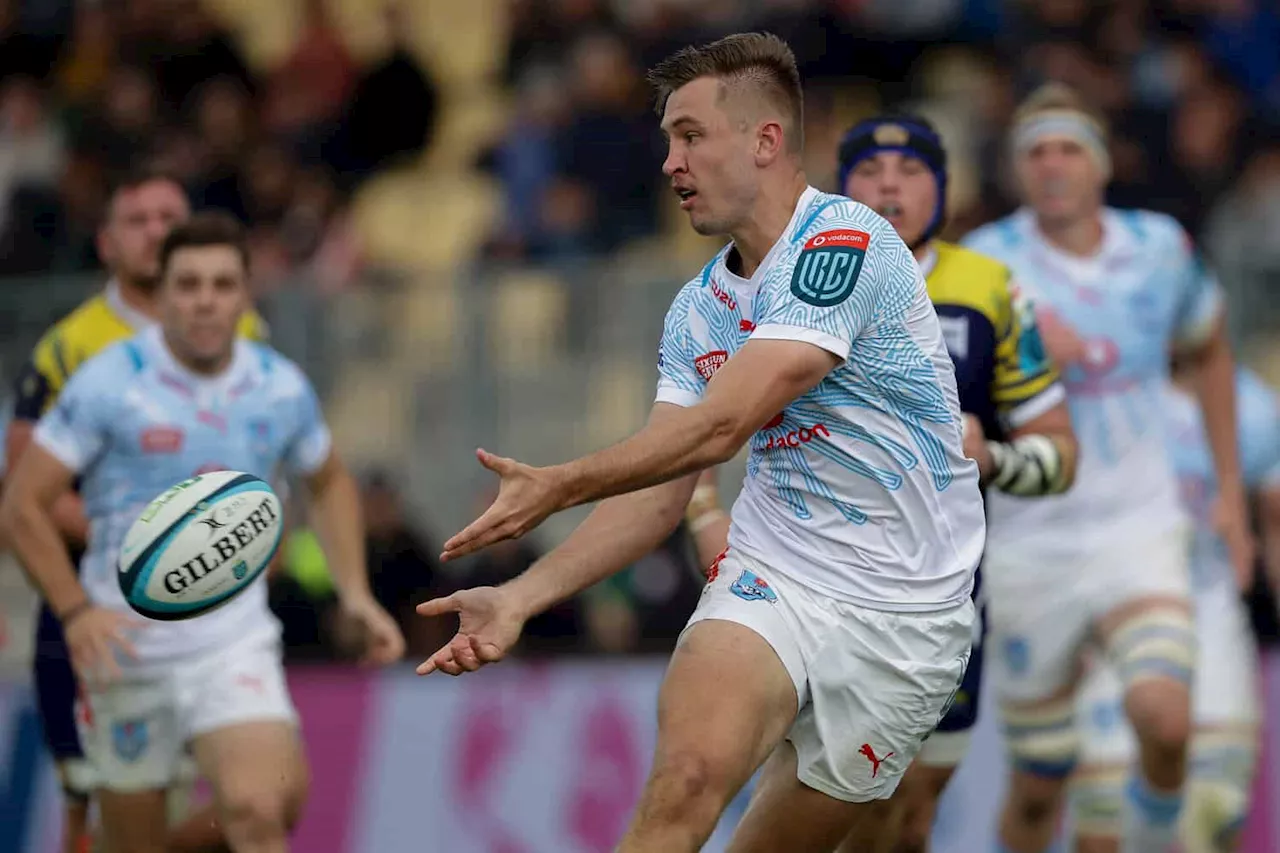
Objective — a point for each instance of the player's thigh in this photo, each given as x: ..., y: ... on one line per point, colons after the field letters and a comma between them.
x: 257, y: 769
x: 787, y: 815
x: 877, y: 688
x: 133, y: 821
x: 242, y: 727
x: 726, y: 701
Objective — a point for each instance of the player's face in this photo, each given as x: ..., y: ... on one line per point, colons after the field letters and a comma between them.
x: 201, y: 298
x: 899, y: 187
x: 1060, y: 180
x: 710, y: 158
x: 138, y: 220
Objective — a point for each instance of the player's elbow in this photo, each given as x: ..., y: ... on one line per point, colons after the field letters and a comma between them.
x: 726, y: 433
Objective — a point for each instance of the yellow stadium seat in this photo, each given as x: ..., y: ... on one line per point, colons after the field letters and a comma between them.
x: 369, y: 411
x: 423, y: 321
x: 619, y: 395
x: 527, y: 316
x: 425, y: 221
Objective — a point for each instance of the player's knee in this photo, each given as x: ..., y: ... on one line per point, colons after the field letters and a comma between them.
x: 1035, y: 800
x: 255, y: 816
x: 914, y: 837
x: 1161, y: 716
x: 686, y: 786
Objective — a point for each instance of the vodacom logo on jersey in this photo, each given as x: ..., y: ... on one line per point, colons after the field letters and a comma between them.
x: 795, y: 437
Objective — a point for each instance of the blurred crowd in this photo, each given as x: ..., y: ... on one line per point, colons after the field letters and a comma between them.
x: 90, y: 88
x: 1192, y: 88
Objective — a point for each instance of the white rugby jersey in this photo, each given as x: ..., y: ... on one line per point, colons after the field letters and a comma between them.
x: 133, y: 421
x: 859, y: 489
x: 1144, y: 292
x: 1258, y: 423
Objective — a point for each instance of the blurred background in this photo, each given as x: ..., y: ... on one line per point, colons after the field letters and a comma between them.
x: 461, y: 231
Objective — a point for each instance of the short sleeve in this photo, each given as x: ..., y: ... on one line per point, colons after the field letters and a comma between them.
x: 845, y: 272
x: 77, y: 428
x: 679, y: 382
x: 311, y: 442
x: 1025, y: 384
x: 40, y: 379
x: 1200, y: 301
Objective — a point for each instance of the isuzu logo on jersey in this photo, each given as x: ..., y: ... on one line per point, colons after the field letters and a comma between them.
x: 709, y: 363
x: 828, y: 266
x: 222, y: 550
x: 724, y: 296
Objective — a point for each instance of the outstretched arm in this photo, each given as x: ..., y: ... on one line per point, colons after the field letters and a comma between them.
x: 618, y: 532
x: 759, y: 381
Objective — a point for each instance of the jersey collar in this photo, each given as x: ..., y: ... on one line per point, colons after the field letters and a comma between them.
x: 805, y: 201
x: 202, y: 386
x: 130, y: 316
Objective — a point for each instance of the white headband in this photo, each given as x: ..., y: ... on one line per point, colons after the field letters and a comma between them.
x: 1071, y: 124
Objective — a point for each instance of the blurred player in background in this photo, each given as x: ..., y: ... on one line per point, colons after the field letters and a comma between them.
x: 1225, y: 698
x: 142, y: 209
x: 1017, y: 427
x: 840, y: 622
x: 184, y: 397
x: 1115, y: 291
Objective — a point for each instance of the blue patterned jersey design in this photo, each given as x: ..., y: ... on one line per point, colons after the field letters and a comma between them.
x: 878, y: 440
x: 1114, y: 319
x: 1258, y: 422
x: 132, y: 423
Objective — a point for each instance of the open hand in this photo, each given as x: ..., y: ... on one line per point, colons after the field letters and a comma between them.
x: 526, y: 496
x: 489, y: 624
x: 94, y: 637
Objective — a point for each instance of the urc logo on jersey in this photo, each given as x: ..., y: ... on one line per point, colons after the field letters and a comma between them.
x: 828, y: 266
x: 222, y: 550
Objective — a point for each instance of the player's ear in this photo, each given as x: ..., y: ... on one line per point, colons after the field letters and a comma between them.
x: 770, y: 143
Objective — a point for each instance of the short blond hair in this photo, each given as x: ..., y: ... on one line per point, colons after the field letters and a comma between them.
x: 1059, y: 97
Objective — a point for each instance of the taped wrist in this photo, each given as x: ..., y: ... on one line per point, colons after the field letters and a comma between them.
x: 1027, y: 466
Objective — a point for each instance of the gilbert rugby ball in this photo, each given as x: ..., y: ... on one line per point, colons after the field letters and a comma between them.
x: 198, y: 544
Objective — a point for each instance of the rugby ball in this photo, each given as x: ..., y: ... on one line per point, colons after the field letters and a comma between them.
x: 198, y: 544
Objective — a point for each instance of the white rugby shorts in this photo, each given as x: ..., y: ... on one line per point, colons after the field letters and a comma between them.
x: 1040, y: 613
x: 136, y: 730
x: 871, y: 684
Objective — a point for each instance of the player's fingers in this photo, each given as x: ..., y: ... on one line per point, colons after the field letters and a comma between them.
x: 121, y: 641
x: 435, y: 662
x: 487, y: 652
x: 439, y: 606
x: 464, y: 654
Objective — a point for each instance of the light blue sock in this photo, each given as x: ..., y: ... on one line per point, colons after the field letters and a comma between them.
x: 1150, y: 817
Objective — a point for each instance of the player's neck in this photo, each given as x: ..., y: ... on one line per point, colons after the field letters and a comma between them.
x: 773, y: 211
x: 136, y: 297
x: 1081, y: 237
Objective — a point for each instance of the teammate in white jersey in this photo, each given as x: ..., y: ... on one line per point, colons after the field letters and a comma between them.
x: 149, y: 412
x: 839, y: 624
x: 1225, y: 702
x: 1116, y: 291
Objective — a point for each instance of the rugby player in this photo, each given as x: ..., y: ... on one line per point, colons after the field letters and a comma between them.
x: 1225, y: 693
x: 1018, y: 428
x: 184, y: 397
x: 839, y: 624
x: 141, y: 210
x: 1116, y: 291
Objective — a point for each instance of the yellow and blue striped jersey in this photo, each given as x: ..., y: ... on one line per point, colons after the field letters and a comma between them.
x: 1004, y: 376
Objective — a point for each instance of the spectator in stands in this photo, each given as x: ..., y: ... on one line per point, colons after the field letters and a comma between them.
x: 306, y: 93
x: 403, y: 569
x: 32, y: 151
